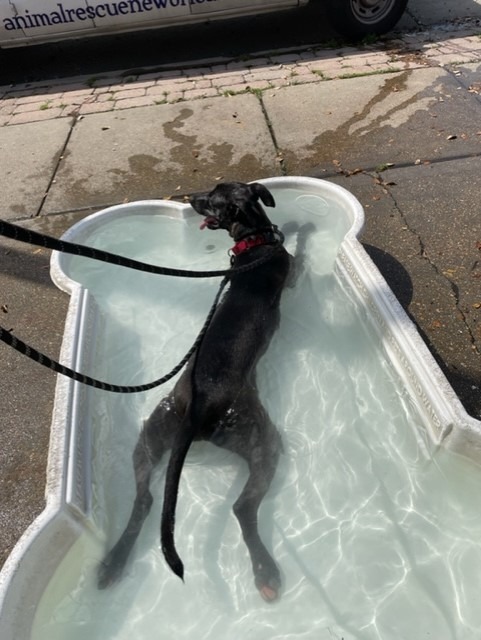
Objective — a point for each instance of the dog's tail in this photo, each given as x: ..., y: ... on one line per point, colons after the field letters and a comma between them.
x: 182, y: 442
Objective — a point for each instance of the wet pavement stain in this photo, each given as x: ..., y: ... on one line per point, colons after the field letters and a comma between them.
x: 139, y: 181
x: 387, y: 127
x: 171, y: 128
x: 143, y: 169
x: 178, y: 159
x: 351, y: 134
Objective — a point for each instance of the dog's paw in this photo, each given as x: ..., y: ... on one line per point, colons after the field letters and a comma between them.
x: 269, y: 590
x: 268, y: 582
x: 268, y: 593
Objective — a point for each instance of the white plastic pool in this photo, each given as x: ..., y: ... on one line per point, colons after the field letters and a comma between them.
x: 373, y: 515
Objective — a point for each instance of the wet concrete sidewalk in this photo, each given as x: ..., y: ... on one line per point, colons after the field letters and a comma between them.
x: 399, y: 127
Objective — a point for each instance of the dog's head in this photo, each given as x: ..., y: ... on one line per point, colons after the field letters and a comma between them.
x: 235, y: 207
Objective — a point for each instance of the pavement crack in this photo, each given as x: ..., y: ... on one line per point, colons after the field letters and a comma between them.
x: 60, y: 157
x: 425, y: 256
x: 280, y: 160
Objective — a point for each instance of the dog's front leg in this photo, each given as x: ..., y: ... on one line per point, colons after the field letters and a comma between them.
x: 297, y: 262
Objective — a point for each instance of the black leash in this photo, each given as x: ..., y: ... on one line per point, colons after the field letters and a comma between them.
x: 36, y: 356
x: 21, y: 234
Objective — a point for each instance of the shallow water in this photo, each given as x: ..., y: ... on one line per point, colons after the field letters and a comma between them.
x: 376, y: 532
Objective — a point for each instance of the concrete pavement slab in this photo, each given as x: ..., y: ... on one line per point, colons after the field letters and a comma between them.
x: 424, y: 233
x: 157, y: 151
x: 28, y: 159
x: 440, y: 204
x: 363, y: 122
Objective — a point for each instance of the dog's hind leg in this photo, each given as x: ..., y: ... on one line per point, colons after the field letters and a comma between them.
x: 155, y: 438
x: 257, y: 440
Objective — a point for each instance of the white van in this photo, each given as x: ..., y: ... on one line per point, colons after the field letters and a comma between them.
x: 35, y: 21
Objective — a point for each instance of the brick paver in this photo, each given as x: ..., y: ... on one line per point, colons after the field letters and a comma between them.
x: 80, y: 96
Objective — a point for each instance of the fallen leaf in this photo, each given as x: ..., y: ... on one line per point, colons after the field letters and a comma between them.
x: 384, y: 183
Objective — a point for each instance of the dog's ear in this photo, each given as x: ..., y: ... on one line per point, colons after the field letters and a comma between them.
x: 200, y: 203
x: 260, y: 191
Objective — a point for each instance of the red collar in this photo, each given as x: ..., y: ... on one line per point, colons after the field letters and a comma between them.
x: 253, y: 241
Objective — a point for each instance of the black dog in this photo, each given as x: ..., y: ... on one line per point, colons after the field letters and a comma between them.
x: 216, y: 398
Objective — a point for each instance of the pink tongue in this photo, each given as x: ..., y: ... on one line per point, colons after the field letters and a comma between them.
x: 207, y: 220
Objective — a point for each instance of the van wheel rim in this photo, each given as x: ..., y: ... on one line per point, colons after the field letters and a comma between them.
x: 371, y: 11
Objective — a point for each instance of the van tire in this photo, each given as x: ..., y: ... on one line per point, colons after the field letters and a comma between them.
x: 360, y: 18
